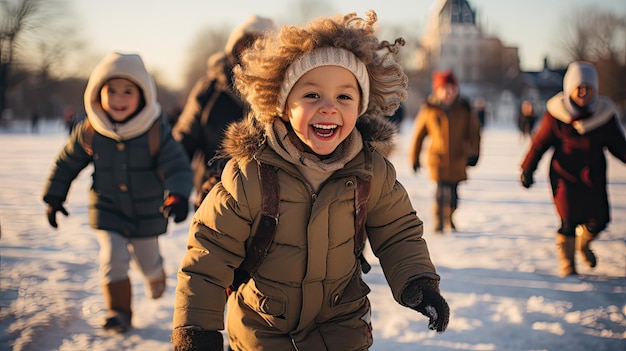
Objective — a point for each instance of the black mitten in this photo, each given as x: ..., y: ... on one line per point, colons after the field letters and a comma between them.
x: 55, y: 204
x: 472, y: 161
x: 423, y: 296
x: 527, y: 180
x: 176, y: 206
x: 195, y: 339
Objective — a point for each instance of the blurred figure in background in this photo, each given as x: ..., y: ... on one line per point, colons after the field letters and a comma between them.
x: 213, y: 104
x: 34, y: 122
x: 454, y: 132
x: 526, y: 119
x: 480, y: 107
x: 578, y: 124
x: 69, y: 117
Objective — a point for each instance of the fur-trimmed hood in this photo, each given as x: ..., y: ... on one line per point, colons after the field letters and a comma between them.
x: 245, y: 139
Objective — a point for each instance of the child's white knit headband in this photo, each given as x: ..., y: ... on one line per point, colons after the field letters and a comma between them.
x: 325, y: 56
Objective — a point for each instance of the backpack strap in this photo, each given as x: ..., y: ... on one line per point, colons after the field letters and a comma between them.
x: 362, y: 195
x: 154, y: 138
x: 264, y: 236
x: 88, y: 133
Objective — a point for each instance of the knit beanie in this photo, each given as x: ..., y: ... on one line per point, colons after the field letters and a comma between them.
x: 325, y: 56
x: 441, y: 78
x: 577, y: 74
x: 253, y: 25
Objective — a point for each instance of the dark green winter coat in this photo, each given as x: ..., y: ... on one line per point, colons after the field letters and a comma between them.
x: 129, y: 183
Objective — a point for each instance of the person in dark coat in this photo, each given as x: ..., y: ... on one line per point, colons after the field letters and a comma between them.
x: 141, y: 177
x: 579, y: 125
x: 212, y: 105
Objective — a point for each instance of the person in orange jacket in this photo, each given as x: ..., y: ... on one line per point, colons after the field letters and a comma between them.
x: 454, y: 131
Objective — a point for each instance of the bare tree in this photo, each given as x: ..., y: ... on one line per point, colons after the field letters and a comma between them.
x: 24, y: 24
x: 595, y: 35
x: 207, y: 42
x: 599, y: 37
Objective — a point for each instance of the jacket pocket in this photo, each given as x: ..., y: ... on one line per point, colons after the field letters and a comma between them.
x: 355, y: 291
x: 269, y: 307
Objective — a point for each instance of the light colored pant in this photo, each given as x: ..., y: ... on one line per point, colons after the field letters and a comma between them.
x: 117, y: 252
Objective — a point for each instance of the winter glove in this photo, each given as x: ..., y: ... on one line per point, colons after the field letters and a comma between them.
x: 423, y: 296
x: 55, y: 204
x: 416, y: 167
x: 527, y: 179
x: 196, y: 339
x: 176, y: 206
x: 472, y: 161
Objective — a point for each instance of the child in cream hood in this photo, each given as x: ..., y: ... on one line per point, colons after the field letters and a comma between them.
x: 141, y: 176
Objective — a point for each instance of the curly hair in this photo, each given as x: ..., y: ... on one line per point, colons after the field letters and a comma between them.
x: 262, y: 70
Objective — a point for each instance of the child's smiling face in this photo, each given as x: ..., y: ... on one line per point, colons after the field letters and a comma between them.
x: 323, y: 106
x: 582, y: 95
x: 120, y: 98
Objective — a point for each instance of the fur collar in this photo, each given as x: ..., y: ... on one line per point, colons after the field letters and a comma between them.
x: 245, y: 139
x: 604, y: 111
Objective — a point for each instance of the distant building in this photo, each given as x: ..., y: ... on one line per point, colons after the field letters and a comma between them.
x: 542, y: 85
x: 485, y: 67
x: 454, y: 41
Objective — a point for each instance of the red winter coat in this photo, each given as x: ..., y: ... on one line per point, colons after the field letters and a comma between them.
x: 578, y: 165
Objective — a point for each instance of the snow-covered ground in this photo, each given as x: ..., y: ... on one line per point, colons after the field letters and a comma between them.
x: 499, y: 271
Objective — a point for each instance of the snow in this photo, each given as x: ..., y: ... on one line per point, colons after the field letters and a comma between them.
x: 499, y: 270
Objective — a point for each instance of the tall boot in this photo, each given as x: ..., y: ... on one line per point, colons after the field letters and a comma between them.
x: 155, y: 288
x: 449, y: 213
x: 438, y: 210
x: 584, y: 239
x: 117, y: 297
x: 566, y: 248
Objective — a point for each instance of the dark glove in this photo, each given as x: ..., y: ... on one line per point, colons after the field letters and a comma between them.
x: 527, y: 179
x: 416, y: 166
x: 177, y: 206
x: 472, y: 161
x: 55, y: 204
x: 423, y: 296
x: 195, y: 339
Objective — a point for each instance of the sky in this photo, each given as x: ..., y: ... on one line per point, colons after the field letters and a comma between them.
x: 162, y: 31
x: 498, y: 271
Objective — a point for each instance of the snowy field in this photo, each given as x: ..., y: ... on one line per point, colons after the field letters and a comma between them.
x: 499, y: 270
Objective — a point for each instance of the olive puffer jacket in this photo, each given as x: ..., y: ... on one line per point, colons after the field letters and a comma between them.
x: 454, y: 138
x: 308, y: 293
